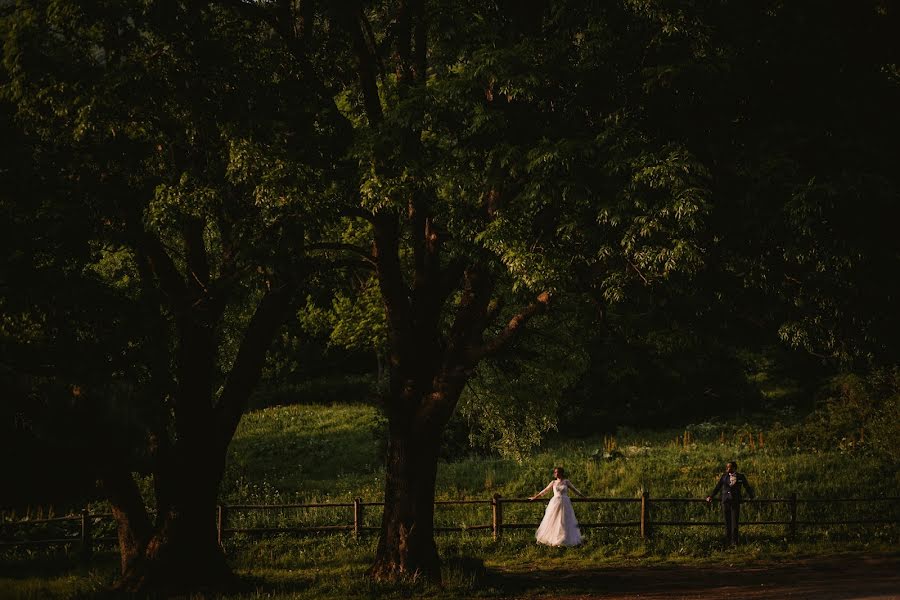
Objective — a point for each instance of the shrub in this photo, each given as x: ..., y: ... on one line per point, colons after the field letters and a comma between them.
x: 857, y: 413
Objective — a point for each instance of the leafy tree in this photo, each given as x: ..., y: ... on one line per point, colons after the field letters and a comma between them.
x: 792, y: 106
x: 500, y: 159
x: 524, y: 149
x: 51, y: 331
x: 190, y: 152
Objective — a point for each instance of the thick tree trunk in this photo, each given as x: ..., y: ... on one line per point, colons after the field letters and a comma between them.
x: 407, y: 548
x: 183, y: 554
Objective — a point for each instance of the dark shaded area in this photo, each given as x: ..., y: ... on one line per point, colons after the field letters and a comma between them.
x: 834, y: 578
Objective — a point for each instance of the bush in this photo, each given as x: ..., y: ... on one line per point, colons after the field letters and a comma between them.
x: 857, y: 413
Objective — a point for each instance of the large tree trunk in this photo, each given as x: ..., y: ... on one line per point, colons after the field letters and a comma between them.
x: 182, y: 555
x: 407, y: 547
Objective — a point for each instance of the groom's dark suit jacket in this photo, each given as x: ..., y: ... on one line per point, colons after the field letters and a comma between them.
x: 732, y: 493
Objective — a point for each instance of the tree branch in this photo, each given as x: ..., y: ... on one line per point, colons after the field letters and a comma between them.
x: 420, y: 50
x: 162, y: 457
x: 338, y: 246
x: 411, y: 37
x: 365, y: 67
x: 394, y: 290
x: 636, y: 270
x: 247, y: 368
x: 149, y: 248
x: 358, y: 212
x: 418, y: 224
x: 197, y: 258
x: 404, y: 27
x: 305, y: 22
x: 512, y: 329
x: 350, y: 263
x: 373, y: 44
x: 450, y: 276
x: 469, y: 323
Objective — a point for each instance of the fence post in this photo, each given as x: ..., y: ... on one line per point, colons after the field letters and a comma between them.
x: 357, y: 516
x: 87, y: 542
x: 645, y: 515
x: 793, y: 507
x: 497, y: 508
x: 221, y: 513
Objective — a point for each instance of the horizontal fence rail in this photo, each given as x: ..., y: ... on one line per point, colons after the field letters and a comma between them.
x: 636, y: 513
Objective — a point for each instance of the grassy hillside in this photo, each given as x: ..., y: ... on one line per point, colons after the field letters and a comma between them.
x: 307, y: 453
x: 331, y: 453
x: 321, y: 453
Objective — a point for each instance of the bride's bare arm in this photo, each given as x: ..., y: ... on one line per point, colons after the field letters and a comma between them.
x: 542, y: 492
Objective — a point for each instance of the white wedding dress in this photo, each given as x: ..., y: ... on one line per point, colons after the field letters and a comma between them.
x: 559, y: 526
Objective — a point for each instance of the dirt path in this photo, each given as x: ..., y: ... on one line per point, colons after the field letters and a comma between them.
x: 843, y: 578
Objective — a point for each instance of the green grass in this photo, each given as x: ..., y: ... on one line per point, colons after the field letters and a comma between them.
x: 331, y: 453
x: 53, y: 574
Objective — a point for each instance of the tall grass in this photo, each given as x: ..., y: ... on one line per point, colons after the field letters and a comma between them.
x: 682, y: 463
x: 331, y: 454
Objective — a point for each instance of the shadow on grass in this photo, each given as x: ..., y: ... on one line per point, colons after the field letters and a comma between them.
x: 43, y: 564
x: 851, y: 576
x: 461, y: 577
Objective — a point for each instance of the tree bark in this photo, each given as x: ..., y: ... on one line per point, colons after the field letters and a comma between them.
x: 419, y: 406
x: 406, y: 548
x: 133, y: 526
x: 182, y: 555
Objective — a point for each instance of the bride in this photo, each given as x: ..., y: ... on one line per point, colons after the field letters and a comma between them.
x: 559, y: 526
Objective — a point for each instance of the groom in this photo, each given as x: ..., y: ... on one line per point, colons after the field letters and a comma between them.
x: 730, y: 484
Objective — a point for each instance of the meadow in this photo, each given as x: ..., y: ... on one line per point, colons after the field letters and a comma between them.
x: 324, y: 453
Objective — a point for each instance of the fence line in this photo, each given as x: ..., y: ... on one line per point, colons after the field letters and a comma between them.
x: 355, y: 525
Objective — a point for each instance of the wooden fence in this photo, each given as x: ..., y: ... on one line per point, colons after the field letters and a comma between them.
x: 642, y: 521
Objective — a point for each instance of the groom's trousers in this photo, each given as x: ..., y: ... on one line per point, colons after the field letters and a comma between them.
x: 731, y: 512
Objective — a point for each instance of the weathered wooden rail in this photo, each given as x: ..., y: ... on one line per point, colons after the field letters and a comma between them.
x: 84, y: 538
